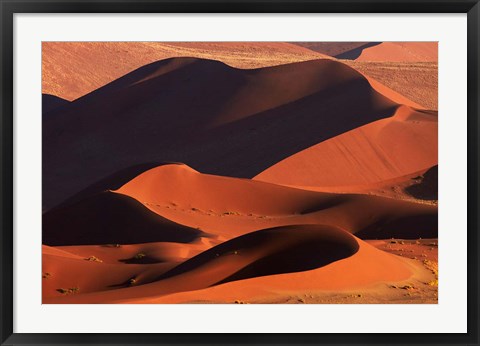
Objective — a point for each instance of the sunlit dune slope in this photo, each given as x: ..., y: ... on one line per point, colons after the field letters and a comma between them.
x: 382, y: 150
x: 213, y: 117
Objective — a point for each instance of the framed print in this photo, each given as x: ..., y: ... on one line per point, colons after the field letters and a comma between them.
x: 239, y: 173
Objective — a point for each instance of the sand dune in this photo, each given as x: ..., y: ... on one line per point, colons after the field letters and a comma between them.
x: 238, y: 229
x: 257, y: 262
x: 113, y: 267
x: 252, y: 113
x: 368, y: 267
x: 382, y: 150
x: 73, y: 69
x: 409, y: 68
x: 241, y: 206
x: 394, y: 51
x: 376, y: 51
x: 417, y: 81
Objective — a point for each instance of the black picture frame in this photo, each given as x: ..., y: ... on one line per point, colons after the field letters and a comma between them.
x: 9, y: 7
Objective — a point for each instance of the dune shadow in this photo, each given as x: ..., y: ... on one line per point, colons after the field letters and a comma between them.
x: 145, y: 260
x: 325, y: 203
x: 406, y: 227
x: 112, y: 182
x: 427, y: 188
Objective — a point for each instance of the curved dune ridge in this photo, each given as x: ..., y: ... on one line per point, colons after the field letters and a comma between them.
x: 255, y: 110
x: 258, y: 262
x: 382, y: 150
x: 273, y: 251
x: 229, y: 207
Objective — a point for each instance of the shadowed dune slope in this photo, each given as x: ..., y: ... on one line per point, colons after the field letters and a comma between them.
x: 228, y: 207
x: 394, y: 51
x: 427, y: 186
x: 215, y: 118
x: 382, y: 150
x: 51, y: 102
x: 109, y: 218
x: 72, y: 69
x: 112, y: 182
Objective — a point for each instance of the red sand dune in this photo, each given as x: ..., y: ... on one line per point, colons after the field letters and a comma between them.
x: 394, y: 51
x: 242, y: 205
x: 366, y: 268
x: 248, y: 232
x: 73, y: 69
x: 383, y: 150
x: 312, y: 255
x: 146, y: 116
x: 69, y: 266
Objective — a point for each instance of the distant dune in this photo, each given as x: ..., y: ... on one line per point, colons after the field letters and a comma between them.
x: 409, y: 68
x: 394, y: 51
x: 73, y: 69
